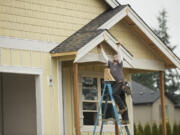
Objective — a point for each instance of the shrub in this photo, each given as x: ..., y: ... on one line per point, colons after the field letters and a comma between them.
x: 175, y: 129
x: 160, y: 132
x: 155, y: 129
x: 179, y: 129
x: 168, y: 129
x: 147, y: 129
x: 140, y: 129
x: 135, y: 129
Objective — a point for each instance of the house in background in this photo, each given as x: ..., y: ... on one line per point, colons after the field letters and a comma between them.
x: 177, y: 113
x: 147, y: 106
x: 52, y: 70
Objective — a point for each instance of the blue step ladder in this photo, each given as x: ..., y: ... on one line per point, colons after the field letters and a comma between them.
x: 107, y: 85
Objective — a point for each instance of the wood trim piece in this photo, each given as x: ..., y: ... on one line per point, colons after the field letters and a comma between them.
x: 63, y: 54
x: 60, y: 100
x: 76, y: 99
x: 26, y: 44
x: 162, y: 102
x: 116, y: 129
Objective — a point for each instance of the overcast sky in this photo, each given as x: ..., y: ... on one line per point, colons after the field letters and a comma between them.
x: 149, y: 11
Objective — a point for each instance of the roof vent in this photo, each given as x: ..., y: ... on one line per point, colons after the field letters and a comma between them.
x: 141, y: 93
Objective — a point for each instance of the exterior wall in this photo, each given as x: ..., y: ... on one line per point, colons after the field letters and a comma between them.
x: 142, y: 114
x: 46, y: 20
x: 151, y: 113
x: 19, y: 104
x: 177, y: 115
x: 156, y: 111
x: 132, y: 41
x: 41, y: 60
x: 91, y: 69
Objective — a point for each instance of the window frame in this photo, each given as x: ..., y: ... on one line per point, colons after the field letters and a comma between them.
x: 89, y: 128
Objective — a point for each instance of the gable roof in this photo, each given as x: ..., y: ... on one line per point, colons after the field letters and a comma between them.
x: 177, y: 105
x: 86, y: 33
x: 104, y: 22
x: 143, y: 95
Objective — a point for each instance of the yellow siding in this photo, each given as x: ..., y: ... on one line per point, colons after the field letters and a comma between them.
x: 26, y: 58
x: 35, y: 59
x: 47, y: 20
x: 132, y: 41
x: 16, y: 58
x: 6, y: 56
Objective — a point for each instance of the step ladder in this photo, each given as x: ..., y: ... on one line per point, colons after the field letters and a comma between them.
x: 107, y: 85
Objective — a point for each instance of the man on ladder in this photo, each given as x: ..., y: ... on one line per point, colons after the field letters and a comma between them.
x: 116, y: 70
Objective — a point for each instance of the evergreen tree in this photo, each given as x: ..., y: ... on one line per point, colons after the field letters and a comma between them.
x: 172, y: 83
x: 147, y: 129
x: 148, y: 79
x: 154, y: 129
x: 175, y: 129
x: 151, y: 80
x: 140, y: 129
x: 160, y: 129
x: 135, y: 129
x: 168, y: 129
x: 179, y: 129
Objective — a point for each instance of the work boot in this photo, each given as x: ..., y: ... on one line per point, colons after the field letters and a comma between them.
x: 125, y: 118
x: 121, y: 111
x: 125, y: 122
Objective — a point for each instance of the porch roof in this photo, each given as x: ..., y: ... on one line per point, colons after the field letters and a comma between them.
x: 103, y: 23
x: 86, y: 33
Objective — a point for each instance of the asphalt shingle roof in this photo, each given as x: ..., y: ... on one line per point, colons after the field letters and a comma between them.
x: 86, y: 33
x: 143, y: 95
x: 177, y: 105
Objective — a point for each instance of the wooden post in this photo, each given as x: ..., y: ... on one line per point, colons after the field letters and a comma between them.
x: 116, y: 128
x: 162, y: 102
x: 76, y: 99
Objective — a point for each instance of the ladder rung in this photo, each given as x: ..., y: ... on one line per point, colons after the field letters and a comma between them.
x: 111, y: 119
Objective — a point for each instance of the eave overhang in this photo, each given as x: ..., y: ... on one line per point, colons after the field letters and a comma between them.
x: 120, y: 13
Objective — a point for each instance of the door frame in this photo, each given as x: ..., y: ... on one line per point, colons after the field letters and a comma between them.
x: 37, y: 72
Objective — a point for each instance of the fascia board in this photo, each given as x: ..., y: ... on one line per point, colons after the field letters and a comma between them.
x: 26, y: 44
x: 89, y: 46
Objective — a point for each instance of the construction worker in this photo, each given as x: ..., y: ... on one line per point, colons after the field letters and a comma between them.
x: 116, y: 70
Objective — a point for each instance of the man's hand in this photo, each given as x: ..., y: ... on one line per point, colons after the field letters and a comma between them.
x: 100, y: 46
x: 118, y: 45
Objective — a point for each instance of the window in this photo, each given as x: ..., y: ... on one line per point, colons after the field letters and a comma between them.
x: 91, y: 90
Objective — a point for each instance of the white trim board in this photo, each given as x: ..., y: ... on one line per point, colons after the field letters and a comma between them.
x: 108, y: 38
x: 60, y: 99
x: 39, y: 91
x: 127, y: 11
x: 26, y: 44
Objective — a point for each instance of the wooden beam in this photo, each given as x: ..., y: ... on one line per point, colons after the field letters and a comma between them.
x: 76, y: 99
x: 116, y: 128
x: 162, y: 102
x: 63, y: 54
